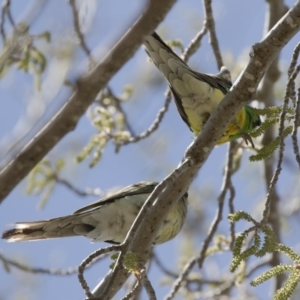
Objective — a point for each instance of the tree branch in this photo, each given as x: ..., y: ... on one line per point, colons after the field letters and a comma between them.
x: 7, y: 262
x: 210, y: 22
x: 87, y: 88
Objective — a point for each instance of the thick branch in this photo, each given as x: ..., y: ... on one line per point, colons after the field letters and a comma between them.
x: 178, y: 182
x: 87, y: 88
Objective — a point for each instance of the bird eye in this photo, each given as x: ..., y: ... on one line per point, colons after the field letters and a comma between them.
x: 257, y: 122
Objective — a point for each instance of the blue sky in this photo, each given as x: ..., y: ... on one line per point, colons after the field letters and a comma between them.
x: 239, y: 24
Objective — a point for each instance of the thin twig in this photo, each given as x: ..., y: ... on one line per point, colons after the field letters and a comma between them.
x: 147, y: 285
x: 34, y: 270
x: 295, y: 129
x: 133, y: 292
x: 118, y: 266
x: 294, y: 60
x: 257, y: 266
x: 181, y: 278
x: 57, y: 272
x: 278, y: 169
x: 231, y: 211
x: 8, y: 12
x: 87, y: 261
x: 3, y: 12
x: 155, y: 124
x: 233, y: 147
x: 226, y: 186
x: 119, y: 107
x: 162, y: 267
x: 195, y: 43
x: 87, y: 192
x: 78, y: 31
x: 227, y: 286
x: 291, y: 70
x: 212, y: 32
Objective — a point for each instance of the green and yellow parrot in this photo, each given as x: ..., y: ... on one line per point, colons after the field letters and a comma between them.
x: 107, y: 220
x: 197, y: 94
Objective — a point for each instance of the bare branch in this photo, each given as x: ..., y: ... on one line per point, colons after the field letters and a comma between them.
x: 120, y: 109
x: 233, y: 147
x: 87, y: 88
x: 5, y: 11
x: 154, y: 126
x: 226, y: 286
x: 291, y: 70
x: 80, y: 35
x: 295, y: 129
x: 133, y: 292
x: 34, y: 270
x: 5, y: 5
x: 88, y: 261
x: 219, y: 214
x: 81, y: 193
x: 181, y: 278
x: 77, y: 28
x: 281, y: 146
x: 195, y: 43
x: 212, y: 32
x: 162, y: 267
x: 147, y: 285
x: 258, y: 265
x: 8, y: 12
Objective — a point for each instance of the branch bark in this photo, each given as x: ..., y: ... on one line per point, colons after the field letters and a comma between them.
x: 87, y: 88
x: 168, y: 192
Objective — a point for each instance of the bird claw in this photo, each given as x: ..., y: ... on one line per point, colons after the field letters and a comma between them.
x: 247, y: 138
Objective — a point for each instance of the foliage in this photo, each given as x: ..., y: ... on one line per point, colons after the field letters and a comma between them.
x: 110, y: 121
x: 270, y: 245
x: 42, y: 179
x: 272, y: 118
x: 21, y: 52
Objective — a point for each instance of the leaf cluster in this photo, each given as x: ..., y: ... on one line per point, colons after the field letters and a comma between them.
x: 272, y: 115
x: 270, y: 245
x: 20, y: 51
x: 42, y: 179
x: 110, y: 122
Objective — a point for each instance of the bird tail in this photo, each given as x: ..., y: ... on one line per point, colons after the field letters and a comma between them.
x: 24, y: 232
x: 166, y: 60
x: 53, y: 228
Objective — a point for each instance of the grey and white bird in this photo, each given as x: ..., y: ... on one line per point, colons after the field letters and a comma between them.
x: 107, y: 220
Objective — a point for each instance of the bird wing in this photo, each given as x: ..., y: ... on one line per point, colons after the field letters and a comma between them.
x: 135, y: 189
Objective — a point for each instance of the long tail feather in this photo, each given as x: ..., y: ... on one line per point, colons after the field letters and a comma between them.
x: 54, y: 228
